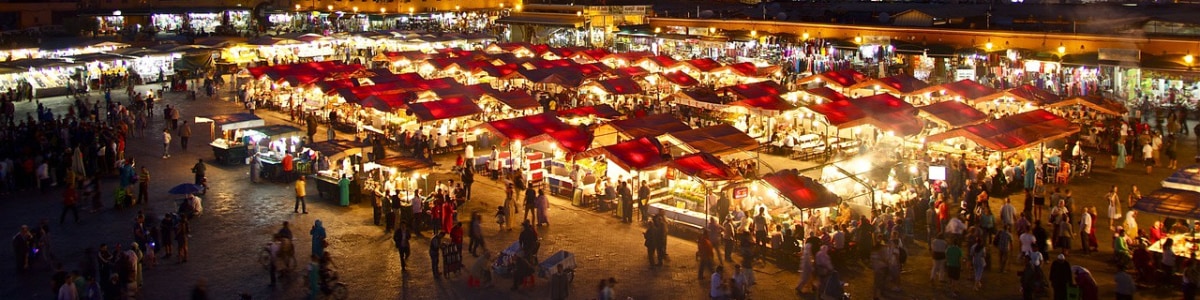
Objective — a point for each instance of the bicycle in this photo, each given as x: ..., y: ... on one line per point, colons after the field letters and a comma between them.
x: 285, y: 258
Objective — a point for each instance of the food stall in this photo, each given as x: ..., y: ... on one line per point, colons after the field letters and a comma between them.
x: 787, y: 197
x: 1178, y: 198
x: 393, y: 175
x: 230, y: 147
x: 634, y: 161
x: 272, y: 143
x: 691, y: 179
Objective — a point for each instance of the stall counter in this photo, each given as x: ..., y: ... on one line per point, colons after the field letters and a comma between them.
x: 230, y: 154
x: 679, y: 215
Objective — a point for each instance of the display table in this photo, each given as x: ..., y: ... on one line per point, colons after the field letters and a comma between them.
x: 328, y: 189
x: 1183, y: 247
x: 272, y: 169
x: 678, y: 215
x: 228, y: 154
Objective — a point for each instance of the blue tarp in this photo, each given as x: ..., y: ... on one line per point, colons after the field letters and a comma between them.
x: 1187, y: 178
x: 1169, y: 202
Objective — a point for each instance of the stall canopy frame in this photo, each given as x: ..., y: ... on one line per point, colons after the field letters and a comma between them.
x: 648, y: 126
x: 718, y: 140
x: 336, y: 149
x: 953, y: 114
x: 406, y: 164
x: 803, y: 192
x: 1013, y: 132
x: 443, y: 109
x: 602, y: 111
x: 704, y: 166
x: 634, y: 155
x: 841, y: 78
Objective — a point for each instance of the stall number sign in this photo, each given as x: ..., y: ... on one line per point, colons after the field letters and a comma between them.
x: 741, y: 192
x: 963, y: 74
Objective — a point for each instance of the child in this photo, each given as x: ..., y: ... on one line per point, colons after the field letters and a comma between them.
x: 501, y: 217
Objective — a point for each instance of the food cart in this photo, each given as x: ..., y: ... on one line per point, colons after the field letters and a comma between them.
x: 272, y: 143
x: 230, y: 147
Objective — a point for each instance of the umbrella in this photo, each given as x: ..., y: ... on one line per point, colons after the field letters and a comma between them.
x: 185, y: 189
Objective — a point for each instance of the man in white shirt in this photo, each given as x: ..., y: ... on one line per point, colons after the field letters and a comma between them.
x: 1085, y: 229
x: 166, y: 143
x: 1148, y: 156
x: 714, y: 286
x: 954, y: 229
x: 43, y: 176
x: 1008, y: 213
x: 1027, y: 239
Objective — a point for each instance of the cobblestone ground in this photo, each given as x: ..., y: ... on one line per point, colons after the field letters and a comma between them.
x: 240, y: 217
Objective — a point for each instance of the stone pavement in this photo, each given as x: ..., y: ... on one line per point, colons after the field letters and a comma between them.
x: 240, y: 217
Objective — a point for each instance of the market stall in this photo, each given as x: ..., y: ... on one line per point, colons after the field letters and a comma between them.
x: 902, y: 85
x: 649, y: 126
x: 589, y: 115
x: 1008, y: 134
x: 633, y: 161
x: 272, y: 143
x: 838, y: 79
x: 230, y: 147
x: 952, y: 114
x: 692, y: 178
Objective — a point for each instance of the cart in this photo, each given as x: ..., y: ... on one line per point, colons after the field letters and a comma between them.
x: 549, y: 267
x: 504, y: 261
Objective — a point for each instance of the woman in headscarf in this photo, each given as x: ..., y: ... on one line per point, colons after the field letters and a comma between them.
x: 1131, y: 226
x: 318, y: 239
x: 543, y: 204
x: 1086, y: 283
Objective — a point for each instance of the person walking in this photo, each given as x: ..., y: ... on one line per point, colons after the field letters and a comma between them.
x: 1003, y: 242
x: 183, y: 232
x: 543, y: 206
x: 318, y: 239
x: 468, y: 178
x: 301, y: 191
x: 1125, y: 284
x: 937, y: 248
x: 70, y: 203
x: 185, y: 133
x: 166, y: 143
x: 401, y: 237
x: 644, y: 200
x: 704, y: 253
x: 143, y: 195
x: 978, y: 262
x: 954, y: 256
x: 1060, y: 277
x: 476, y: 234
x: 626, y: 202
x: 435, y: 251
x: 531, y: 204
x: 716, y: 290
x: 166, y: 231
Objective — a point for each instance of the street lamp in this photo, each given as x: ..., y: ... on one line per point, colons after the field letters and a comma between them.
x: 988, y: 46
x: 1188, y: 59
x: 297, y: 7
x: 355, y: 9
x: 410, y: 10
x: 1062, y: 49
x: 382, y: 11
x: 329, y: 7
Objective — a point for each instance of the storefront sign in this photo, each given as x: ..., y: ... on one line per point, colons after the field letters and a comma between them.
x: 963, y: 74
x: 741, y: 192
x: 1123, y: 55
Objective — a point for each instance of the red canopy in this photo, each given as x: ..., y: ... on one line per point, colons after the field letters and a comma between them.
x: 517, y: 99
x: 524, y: 128
x: 1098, y: 103
x: 743, y: 68
x: 902, y: 84
x: 497, y: 71
x: 633, y: 71
x: 680, y: 78
x: 1014, y: 132
x: 802, y: 191
x: 590, y: 70
x: 651, y: 125
x: 966, y: 89
x: 573, y: 139
x: 617, y: 86
x: 755, y: 90
x: 704, y: 166
x: 826, y: 93
x: 603, y: 111
x: 549, y: 64
x: 767, y: 105
x: 702, y: 64
x: 385, y: 102
x: 633, y: 155
x: 953, y: 114
x: 1034, y: 94
x: 883, y: 111
x: 443, y: 109
x: 303, y: 73
x: 662, y: 61
x: 593, y: 54
x: 842, y: 78
x: 716, y: 140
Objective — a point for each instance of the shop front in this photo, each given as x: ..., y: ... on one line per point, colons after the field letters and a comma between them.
x: 230, y: 147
